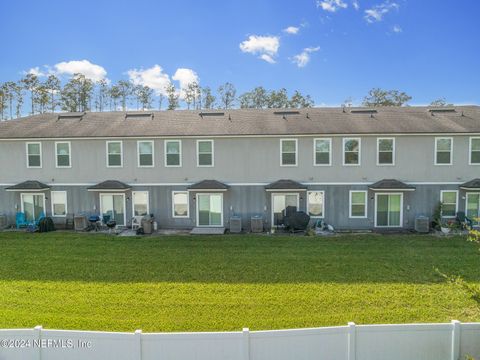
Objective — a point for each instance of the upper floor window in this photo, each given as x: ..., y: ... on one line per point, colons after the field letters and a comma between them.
x: 322, y: 152
x: 351, y: 151
x: 34, y: 155
x: 145, y: 153
x: 62, y: 154
x: 173, y: 153
x: 475, y: 151
x: 443, y: 150
x: 288, y: 152
x: 385, y: 151
x: 204, y: 152
x: 448, y: 198
x: 114, y: 154
x: 358, y: 204
x: 316, y: 203
x: 59, y: 203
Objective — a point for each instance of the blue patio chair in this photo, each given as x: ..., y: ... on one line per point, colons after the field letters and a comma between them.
x: 20, y: 220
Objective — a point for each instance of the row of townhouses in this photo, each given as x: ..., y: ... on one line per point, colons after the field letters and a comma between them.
x: 355, y: 168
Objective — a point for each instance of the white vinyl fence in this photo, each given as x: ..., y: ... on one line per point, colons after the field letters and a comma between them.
x: 353, y: 342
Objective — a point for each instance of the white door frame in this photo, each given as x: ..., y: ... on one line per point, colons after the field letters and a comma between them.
x: 33, y: 193
x: 124, y: 206
x: 466, y: 201
x: 401, y: 209
x: 197, y: 209
x: 282, y: 193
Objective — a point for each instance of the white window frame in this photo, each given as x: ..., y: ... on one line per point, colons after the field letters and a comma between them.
x: 359, y: 150
x: 451, y: 150
x: 456, y: 203
x: 467, y: 195
x: 401, y: 210
x: 124, y: 205
x: 470, y: 149
x: 197, y: 209
x: 133, y: 201
x: 393, y: 151
x: 198, y: 153
x: 41, y: 156
x: 323, y: 204
x: 180, y: 152
x: 52, y: 203
x: 296, y: 153
x: 173, y: 204
x: 121, y: 153
x: 315, y: 151
x: 69, y: 154
x: 138, y: 154
x: 272, y: 209
x: 350, y: 204
x: 33, y: 193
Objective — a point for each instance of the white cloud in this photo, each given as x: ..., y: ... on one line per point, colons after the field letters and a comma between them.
x: 397, y: 29
x: 303, y: 58
x: 264, y: 46
x: 36, y: 71
x: 153, y: 77
x: 184, y: 77
x: 355, y: 4
x: 331, y: 5
x: 291, y: 30
x: 85, y: 67
x: 377, y: 12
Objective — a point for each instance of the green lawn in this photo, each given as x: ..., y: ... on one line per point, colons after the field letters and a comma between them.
x: 184, y: 283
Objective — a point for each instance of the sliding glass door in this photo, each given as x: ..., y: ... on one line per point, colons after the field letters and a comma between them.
x: 389, y: 210
x: 33, y: 206
x: 210, y: 210
x: 114, y: 206
x: 280, y: 202
x: 473, y: 207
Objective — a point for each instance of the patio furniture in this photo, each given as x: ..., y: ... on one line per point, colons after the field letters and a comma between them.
x: 297, y: 221
x: 137, y: 222
x: 20, y: 220
x: 37, y: 221
x: 94, y: 222
x: 111, y: 225
x: 463, y: 220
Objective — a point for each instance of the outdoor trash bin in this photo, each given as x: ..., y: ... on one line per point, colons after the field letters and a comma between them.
x: 147, y: 225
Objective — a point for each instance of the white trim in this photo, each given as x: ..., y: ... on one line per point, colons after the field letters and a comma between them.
x: 197, y: 209
x: 393, y: 151
x: 274, y: 190
x: 41, y: 157
x: 121, y: 153
x: 138, y: 153
x: 173, y: 204
x: 401, y: 210
x: 435, y: 153
x: 281, y: 152
x: 133, y: 201
x: 323, y: 204
x: 52, y: 203
x: 179, y: 149
x: 109, y: 190
x: 388, y: 190
x: 272, y: 209
x: 69, y: 155
x: 470, y: 149
x: 456, y: 203
x: 198, y: 153
x: 33, y: 193
x: 207, y: 190
x: 359, y: 150
x: 124, y: 206
x: 350, y: 204
x: 329, y: 152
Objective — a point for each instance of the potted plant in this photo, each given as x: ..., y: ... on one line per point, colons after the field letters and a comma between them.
x: 445, y: 228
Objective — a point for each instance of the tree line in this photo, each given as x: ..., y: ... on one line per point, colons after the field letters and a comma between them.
x: 80, y: 93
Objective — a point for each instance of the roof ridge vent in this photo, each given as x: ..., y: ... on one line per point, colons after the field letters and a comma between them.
x: 286, y: 112
x: 211, y: 113
x: 138, y: 115
x: 442, y: 110
x: 71, y: 116
x: 363, y: 111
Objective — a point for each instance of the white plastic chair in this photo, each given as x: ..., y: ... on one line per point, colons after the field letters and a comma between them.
x: 137, y: 222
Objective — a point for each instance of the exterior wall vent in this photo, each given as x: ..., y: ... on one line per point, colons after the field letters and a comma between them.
x: 141, y: 115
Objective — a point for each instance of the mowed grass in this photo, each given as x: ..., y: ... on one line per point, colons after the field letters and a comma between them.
x: 186, y: 283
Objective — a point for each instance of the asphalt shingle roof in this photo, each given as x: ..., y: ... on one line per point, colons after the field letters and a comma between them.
x: 472, y: 184
x: 110, y: 185
x: 209, y: 185
x: 387, y: 120
x: 391, y: 184
x: 29, y: 185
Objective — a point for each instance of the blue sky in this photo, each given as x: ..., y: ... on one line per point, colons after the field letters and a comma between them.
x: 334, y: 49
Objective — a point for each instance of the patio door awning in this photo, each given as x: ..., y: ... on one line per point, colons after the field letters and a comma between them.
x: 285, y: 185
x: 391, y: 185
x: 209, y: 185
x: 29, y: 185
x: 472, y: 185
x: 110, y: 185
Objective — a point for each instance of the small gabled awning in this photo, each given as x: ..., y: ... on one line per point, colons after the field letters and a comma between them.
x: 29, y: 185
x: 208, y: 185
x: 391, y: 185
x: 110, y: 185
x: 471, y: 185
x: 285, y: 185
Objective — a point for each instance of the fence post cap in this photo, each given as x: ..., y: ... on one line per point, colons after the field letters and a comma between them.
x: 138, y: 331
x: 351, y: 323
x: 38, y: 327
x: 245, y: 329
x: 455, y: 322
